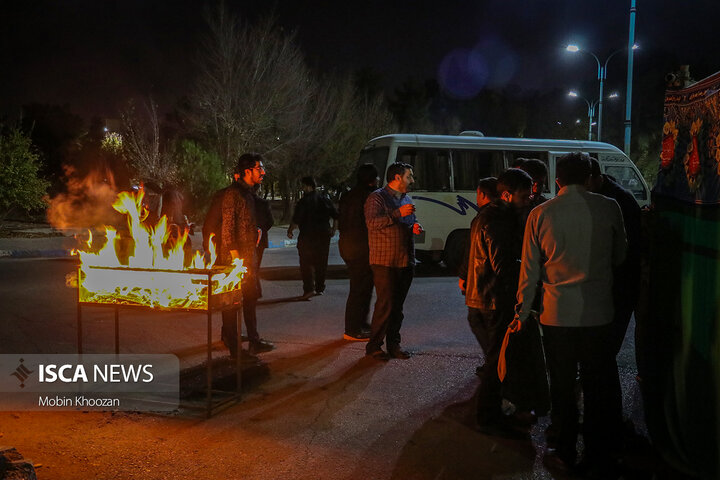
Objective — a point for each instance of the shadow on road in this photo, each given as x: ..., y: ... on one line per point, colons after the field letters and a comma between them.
x: 300, y: 386
x: 447, y: 446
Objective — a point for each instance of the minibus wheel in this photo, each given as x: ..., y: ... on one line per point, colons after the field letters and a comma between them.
x: 454, y: 252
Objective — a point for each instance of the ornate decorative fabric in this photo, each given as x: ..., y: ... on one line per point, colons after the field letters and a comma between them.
x: 690, y: 156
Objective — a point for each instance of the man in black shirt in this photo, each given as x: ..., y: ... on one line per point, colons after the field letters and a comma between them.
x: 626, y: 278
x: 312, y: 215
x: 354, y: 251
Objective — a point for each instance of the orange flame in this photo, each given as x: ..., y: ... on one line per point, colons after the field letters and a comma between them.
x: 147, y: 265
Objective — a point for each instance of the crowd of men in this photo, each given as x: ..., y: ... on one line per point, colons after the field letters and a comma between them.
x: 563, y: 262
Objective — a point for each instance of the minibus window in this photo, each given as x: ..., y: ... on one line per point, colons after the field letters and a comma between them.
x: 430, y: 167
x: 378, y: 157
x: 629, y: 179
x: 471, y: 165
x: 513, y: 155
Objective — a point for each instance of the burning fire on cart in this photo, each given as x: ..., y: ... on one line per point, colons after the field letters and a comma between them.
x: 150, y: 265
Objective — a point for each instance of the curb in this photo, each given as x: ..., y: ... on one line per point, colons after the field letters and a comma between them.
x: 64, y: 253
x: 56, y: 253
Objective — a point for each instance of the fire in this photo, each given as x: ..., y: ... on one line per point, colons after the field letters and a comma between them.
x: 150, y: 265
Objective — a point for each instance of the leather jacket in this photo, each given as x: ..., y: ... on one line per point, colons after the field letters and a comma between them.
x: 493, y: 258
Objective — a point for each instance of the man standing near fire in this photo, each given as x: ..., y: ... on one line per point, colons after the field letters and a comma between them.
x: 232, y: 219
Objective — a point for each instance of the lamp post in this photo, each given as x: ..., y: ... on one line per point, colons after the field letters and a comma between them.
x: 591, y: 110
x: 628, y: 95
x: 602, y: 75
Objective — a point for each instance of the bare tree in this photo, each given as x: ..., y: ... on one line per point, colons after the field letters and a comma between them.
x: 255, y: 92
x: 142, y: 145
x: 360, y: 117
x: 253, y: 88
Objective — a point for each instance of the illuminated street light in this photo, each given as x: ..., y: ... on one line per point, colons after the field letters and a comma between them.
x: 591, y: 110
x: 602, y: 75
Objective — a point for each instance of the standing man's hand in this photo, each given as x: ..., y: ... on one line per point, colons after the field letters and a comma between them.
x: 461, y: 284
x: 516, y: 325
x: 407, y: 209
x: 289, y: 233
x: 417, y: 229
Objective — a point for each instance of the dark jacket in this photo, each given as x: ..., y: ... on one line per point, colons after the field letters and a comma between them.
x: 232, y: 219
x: 626, y: 279
x: 312, y: 215
x: 353, y: 241
x: 264, y: 217
x: 493, y: 258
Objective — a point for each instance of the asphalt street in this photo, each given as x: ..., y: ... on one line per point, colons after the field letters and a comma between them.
x: 324, y: 411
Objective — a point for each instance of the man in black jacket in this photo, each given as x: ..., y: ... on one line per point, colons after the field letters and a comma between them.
x: 263, y: 215
x: 626, y: 277
x: 232, y: 220
x: 354, y: 251
x: 490, y: 279
x: 312, y: 215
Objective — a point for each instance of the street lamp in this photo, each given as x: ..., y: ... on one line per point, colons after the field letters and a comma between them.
x: 591, y: 111
x: 602, y: 75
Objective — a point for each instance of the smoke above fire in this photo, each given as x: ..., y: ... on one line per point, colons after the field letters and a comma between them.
x: 87, y: 202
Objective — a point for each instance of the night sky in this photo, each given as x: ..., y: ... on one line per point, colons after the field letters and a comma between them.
x: 94, y: 55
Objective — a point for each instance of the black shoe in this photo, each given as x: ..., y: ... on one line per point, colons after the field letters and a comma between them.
x: 598, y: 468
x: 555, y: 463
x: 357, y: 337
x: 399, y: 353
x: 260, y: 346
x: 318, y: 292
x: 524, y: 418
x: 552, y: 436
x: 306, y: 295
x: 379, y: 355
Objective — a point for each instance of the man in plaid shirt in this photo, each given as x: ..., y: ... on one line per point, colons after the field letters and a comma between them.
x: 391, y: 223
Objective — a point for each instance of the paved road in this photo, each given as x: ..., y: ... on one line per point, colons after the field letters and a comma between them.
x: 324, y: 412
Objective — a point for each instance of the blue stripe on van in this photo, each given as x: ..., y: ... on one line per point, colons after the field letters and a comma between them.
x: 463, y: 204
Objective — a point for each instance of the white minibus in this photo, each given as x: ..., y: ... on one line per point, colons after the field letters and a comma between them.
x: 447, y: 168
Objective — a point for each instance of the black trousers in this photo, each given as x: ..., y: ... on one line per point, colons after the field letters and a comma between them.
x: 313, y: 252
x: 357, y: 306
x: 250, y: 296
x: 259, y: 251
x: 489, y: 327
x: 391, y: 287
x: 623, y: 313
x: 590, y: 348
